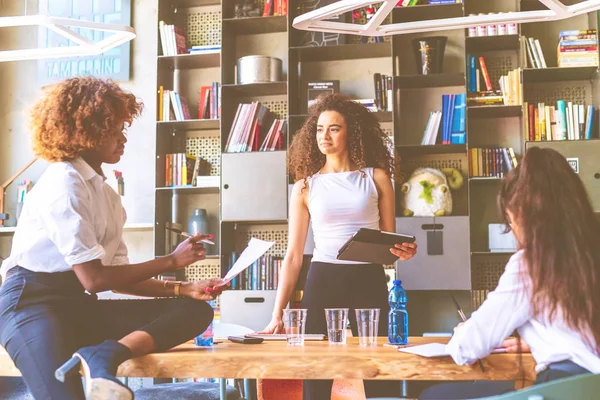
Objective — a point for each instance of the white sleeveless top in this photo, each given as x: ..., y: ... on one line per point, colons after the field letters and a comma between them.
x: 340, y: 204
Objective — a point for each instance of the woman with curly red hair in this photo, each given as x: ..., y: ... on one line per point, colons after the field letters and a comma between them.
x: 342, y: 161
x: 68, y: 246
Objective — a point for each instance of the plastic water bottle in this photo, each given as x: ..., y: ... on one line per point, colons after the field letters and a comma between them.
x: 206, y: 337
x: 398, y: 316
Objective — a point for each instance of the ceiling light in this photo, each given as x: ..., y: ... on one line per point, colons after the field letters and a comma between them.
x: 63, y: 26
x: 313, y: 20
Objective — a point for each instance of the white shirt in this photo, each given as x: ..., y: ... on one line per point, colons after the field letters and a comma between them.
x: 508, y: 308
x: 339, y: 205
x: 69, y: 217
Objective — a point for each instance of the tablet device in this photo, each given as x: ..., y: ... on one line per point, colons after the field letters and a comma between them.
x: 373, y: 246
x: 245, y: 339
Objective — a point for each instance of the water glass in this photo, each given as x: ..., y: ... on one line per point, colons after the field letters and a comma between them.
x: 294, y: 322
x: 367, y: 322
x: 337, y: 321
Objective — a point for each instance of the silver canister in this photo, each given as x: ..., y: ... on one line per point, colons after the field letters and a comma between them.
x: 258, y: 69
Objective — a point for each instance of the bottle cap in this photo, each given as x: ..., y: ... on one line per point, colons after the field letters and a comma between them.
x: 397, y: 282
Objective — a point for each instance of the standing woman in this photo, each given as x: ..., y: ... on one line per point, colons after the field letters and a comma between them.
x: 68, y: 246
x: 344, y: 169
x: 549, y: 289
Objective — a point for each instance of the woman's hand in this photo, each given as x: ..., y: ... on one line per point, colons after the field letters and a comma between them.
x: 203, y: 290
x: 188, y: 252
x: 404, y: 251
x: 512, y: 345
x: 275, y: 326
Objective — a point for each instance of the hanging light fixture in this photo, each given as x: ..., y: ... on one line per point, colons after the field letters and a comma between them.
x: 314, y: 20
x: 64, y: 27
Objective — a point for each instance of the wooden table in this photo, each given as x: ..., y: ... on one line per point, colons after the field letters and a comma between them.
x: 316, y: 360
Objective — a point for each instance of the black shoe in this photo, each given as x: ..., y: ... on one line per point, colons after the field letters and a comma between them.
x: 100, y: 364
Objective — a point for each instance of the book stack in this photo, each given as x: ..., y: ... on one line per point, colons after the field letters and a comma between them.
x: 275, y: 7
x: 183, y: 169
x: 209, y: 105
x: 578, y: 49
x: 438, y: 2
x: 172, y: 39
x: 369, y: 104
x: 208, y: 49
x: 255, y: 124
x: 491, y: 162
x: 172, y: 106
x: 407, y: 3
x: 486, y: 98
x: 535, y: 57
x: 478, y: 77
x: 452, y: 120
x: 511, y: 87
x: 563, y: 121
x: 262, y: 274
x: 383, y: 92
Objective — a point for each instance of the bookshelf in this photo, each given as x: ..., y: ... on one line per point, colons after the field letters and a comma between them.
x: 252, y: 196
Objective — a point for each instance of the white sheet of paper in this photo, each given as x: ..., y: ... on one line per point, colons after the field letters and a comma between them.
x: 427, y: 350
x: 255, y: 249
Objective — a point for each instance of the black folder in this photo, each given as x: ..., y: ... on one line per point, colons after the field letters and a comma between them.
x: 373, y: 246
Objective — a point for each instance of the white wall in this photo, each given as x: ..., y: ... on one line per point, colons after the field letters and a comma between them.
x: 19, y: 89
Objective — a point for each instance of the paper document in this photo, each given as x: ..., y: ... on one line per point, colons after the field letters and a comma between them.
x: 427, y: 350
x: 255, y: 249
x: 435, y: 350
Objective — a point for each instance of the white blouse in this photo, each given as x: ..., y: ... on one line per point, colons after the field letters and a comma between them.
x: 508, y: 308
x: 69, y: 217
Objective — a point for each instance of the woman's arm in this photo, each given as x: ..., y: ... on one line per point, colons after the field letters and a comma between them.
x: 387, y: 200
x: 387, y: 213
x: 158, y: 288
x: 292, y: 262
x: 68, y: 220
x: 96, y: 277
x: 505, y: 309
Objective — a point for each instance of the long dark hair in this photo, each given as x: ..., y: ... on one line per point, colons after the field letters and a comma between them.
x: 368, y: 144
x: 560, y: 236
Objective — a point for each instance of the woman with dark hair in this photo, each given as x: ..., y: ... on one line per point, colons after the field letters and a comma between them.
x: 549, y: 289
x: 68, y: 246
x: 344, y: 169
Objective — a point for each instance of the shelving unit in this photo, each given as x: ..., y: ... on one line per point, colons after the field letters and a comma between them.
x: 244, y: 176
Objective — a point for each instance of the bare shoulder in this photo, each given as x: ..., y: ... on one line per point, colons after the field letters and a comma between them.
x: 300, y: 190
x: 382, y: 178
x: 380, y: 173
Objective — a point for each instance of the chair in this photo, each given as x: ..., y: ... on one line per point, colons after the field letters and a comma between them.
x: 291, y: 389
x: 579, y: 387
x: 187, y: 391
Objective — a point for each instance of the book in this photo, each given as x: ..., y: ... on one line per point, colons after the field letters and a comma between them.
x: 316, y: 89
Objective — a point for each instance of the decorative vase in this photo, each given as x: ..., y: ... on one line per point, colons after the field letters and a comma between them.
x: 198, y: 223
x: 429, y: 54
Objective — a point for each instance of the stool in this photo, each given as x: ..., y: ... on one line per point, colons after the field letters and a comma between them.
x: 291, y: 389
x: 186, y: 391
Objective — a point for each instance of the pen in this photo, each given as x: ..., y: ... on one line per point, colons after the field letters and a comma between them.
x: 464, y: 319
x: 182, y: 233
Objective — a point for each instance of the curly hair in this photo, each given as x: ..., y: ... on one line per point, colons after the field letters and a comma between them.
x: 368, y: 145
x: 79, y: 114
